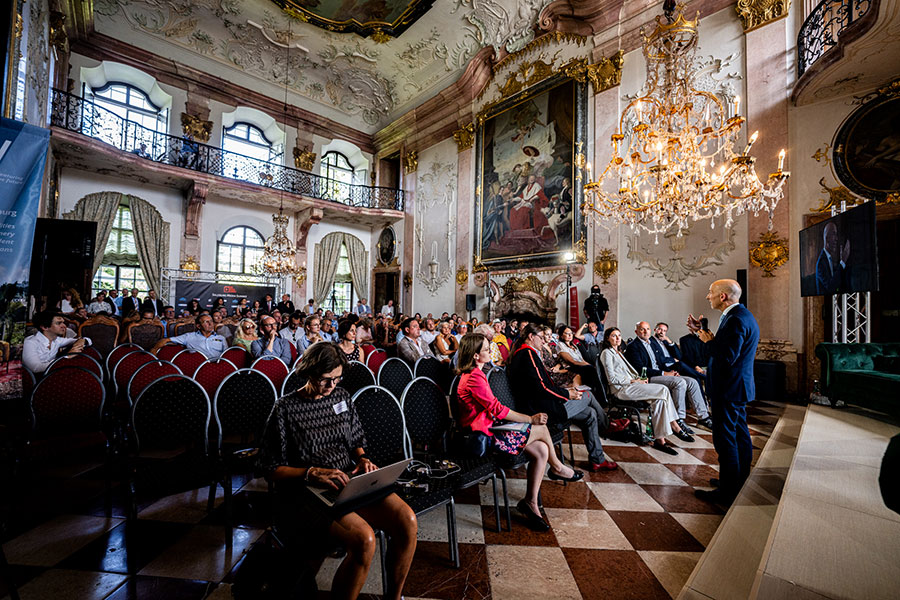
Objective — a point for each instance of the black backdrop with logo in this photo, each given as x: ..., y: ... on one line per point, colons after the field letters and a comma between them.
x: 207, y: 291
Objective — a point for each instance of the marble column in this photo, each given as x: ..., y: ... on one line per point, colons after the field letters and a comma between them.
x: 194, y: 199
x: 606, y: 118
x: 464, y: 201
x: 408, y: 185
x: 303, y: 221
x: 770, y: 76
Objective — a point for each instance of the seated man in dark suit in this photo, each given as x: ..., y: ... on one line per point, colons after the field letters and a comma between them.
x: 645, y: 352
x: 153, y: 304
x: 286, y: 307
x: 671, y: 354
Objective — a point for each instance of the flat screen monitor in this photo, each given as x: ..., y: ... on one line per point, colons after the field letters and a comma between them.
x: 840, y: 255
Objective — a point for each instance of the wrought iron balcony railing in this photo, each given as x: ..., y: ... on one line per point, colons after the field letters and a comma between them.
x: 823, y: 27
x: 81, y: 115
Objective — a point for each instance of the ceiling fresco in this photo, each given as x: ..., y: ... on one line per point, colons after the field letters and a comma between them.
x: 358, y: 81
x: 381, y: 19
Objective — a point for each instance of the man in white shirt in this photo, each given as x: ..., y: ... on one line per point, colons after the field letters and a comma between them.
x: 430, y: 332
x: 412, y: 347
x: 461, y: 330
x: 204, y: 340
x: 388, y: 309
x: 42, y: 348
x: 293, y: 332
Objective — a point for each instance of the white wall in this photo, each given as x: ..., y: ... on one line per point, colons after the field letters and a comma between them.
x: 74, y: 185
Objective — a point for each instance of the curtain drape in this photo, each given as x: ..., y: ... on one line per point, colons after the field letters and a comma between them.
x: 151, y: 238
x: 327, y: 254
x: 359, y: 264
x: 101, y: 208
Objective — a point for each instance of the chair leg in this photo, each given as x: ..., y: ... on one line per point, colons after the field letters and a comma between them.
x: 382, y: 557
x: 571, y: 447
x: 451, y: 533
x: 229, y: 500
x: 506, y: 501
x: 496, y: 500
x: 132, y: 495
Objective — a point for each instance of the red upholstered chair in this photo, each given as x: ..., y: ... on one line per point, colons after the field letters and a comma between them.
x: 147, y: 374
x: 117, y: 354
x: 374, y: 360
x: 66, y: 411
x: 238, y: 357
x: 273, y: 368
x: 211, y: 373
x: 188, y: 361
x: 93, y: 353
x: 77, y: 360
x: 294, y: 354
x: 503, y: 352
x: 169, y: 351
x: 126, y: 367
x: 368, y: 348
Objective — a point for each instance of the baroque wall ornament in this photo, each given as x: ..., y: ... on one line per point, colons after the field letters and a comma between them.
x: 462, y: 277
x: 435, y: 225
x: 606, y: 264
x: 464, y: 137
x: 838, y: 195
x: 195, y: 128
x: 304, y: 160
x: 677, y: 269
x: 411, y: 161
x: 756, y: 13
x: 769, y: 252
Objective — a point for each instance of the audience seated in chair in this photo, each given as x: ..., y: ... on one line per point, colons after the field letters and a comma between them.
x: 478, y: 407
x: 625, y: 383
x: 293, y: 456
x: 412, y: 347
x: 445, y: 345
x: 203, y: 340
x: 50, y: 342
x: 269, y: 342
x: 347, y: 341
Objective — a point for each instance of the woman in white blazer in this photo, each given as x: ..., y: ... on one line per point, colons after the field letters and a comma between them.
x: 626, y: 384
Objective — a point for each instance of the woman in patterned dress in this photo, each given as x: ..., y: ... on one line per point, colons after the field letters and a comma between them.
x: 314, y: 437
x: 347, y: 336
x: 478, y: 407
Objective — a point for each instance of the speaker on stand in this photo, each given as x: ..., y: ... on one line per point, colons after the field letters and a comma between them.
x: 470, y: 304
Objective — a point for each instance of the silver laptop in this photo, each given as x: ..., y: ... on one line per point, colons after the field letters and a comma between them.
x: 363, y: 485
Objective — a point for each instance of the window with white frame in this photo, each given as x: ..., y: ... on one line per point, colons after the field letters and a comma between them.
x: 239, y: 250
x: 247, y: 147
x: 134, y: 106
x: 120, y: 268
x: 341, y: 297
x: 339, y: 174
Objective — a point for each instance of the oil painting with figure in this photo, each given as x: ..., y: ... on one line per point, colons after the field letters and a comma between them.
x: 526, y: 176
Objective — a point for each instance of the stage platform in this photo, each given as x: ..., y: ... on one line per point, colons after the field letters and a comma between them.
x: 809, y: 524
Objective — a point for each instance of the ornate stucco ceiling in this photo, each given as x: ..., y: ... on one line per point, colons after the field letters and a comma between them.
x: 381, y: 19
x: 356, y: 81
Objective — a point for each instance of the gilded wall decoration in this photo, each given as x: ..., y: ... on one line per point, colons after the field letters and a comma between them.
x: 464, y: 137
x: 677, y: 269
x: 756, y: 13
x: 769, y: 252
x: 462, y: 277
x: 835, y: 196
x: 195, y: 128
x: 606, y: 264
x: 304, y: 160
x: 411, y: 161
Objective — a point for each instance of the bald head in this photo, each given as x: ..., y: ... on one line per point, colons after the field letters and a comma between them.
x: 723, y: 293
x: 642, y: 330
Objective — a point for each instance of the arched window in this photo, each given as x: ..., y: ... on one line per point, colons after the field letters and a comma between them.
x: 242, y: 141
x: 341, y: 297
x: 239, y: 249
x: 133, y: 105
x: 339, y: 173
x: 120, y: 268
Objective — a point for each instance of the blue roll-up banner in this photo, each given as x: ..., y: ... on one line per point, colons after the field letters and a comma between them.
x: 23, y: 154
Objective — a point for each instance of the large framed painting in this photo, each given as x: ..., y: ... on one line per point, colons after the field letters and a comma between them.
x: 867, y: 147
x: 529, y: 151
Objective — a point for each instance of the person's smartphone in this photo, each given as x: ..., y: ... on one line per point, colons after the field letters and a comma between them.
x: 704, y: 324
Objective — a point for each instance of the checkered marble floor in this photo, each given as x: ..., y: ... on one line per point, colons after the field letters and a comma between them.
x: 632, y: 533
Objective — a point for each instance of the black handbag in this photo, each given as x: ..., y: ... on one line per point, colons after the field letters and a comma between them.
x: 474, y: 444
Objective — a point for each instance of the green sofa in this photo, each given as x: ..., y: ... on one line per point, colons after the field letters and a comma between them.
x: 864, y: 374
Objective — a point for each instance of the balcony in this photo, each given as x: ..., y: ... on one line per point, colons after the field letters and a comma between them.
x: 171, y: 160
x: 846, y: 47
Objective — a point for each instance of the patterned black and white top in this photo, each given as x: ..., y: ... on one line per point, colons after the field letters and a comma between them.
x: 354, y: 355
x: 303, y: 432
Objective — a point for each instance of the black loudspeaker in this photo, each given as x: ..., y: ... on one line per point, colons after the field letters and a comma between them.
x: 62, y: 257
x: 742, y: 281
x: 470, y: 301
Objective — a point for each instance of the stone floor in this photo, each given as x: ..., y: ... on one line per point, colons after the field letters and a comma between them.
x: 633, y: 533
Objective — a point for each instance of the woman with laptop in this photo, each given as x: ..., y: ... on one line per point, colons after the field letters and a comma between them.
x: 314, y: 438
x: 478, y: 407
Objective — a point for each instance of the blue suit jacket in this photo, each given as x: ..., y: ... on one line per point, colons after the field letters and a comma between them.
x: 636, y: 354
x: 731, y: 356
x: 828, y: 283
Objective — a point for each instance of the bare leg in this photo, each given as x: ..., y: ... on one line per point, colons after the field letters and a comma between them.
x: 358, y: 538
x: 536, y: 466
x: 394, y: 516
x: 540, y: 434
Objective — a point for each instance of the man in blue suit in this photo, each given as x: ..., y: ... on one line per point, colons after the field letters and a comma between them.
x: 730, y: 386
x: 832, y: 273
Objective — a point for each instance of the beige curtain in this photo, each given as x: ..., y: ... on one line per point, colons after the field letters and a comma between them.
x: 151, y: 238
x: 101, y: 208
x: 327, y: 254
x: 359, y: 264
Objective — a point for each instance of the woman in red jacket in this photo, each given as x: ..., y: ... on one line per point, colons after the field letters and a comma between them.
x: 478, y: 407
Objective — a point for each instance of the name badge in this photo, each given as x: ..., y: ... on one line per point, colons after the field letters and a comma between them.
x: 340, y: 407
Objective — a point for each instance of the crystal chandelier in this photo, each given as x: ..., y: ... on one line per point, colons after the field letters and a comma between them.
x: 674, y: 155
x: 279, y: 258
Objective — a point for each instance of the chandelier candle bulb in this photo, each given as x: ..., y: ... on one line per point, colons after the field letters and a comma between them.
x: 781, y: 160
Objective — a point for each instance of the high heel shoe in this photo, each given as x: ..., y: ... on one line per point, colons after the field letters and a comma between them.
x: 576, y: 476
x: 535, y: 520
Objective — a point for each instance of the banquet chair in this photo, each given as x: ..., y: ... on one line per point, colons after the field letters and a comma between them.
x: 356, y: 377
x: 273, y: 368
x: 394, y: 375
x: 238, y: 357
x: 169, y: 351
x: 116, y: 355
x: 146, y: 374
x: 126, y: 367
x: 146, y: 333
x: 189, y: 361
x: 376, y: 359
x: 434, y: 370
x: 103, y: 331
x: 212, y: 373
x: 294, y: 382
x: 79, y: 359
